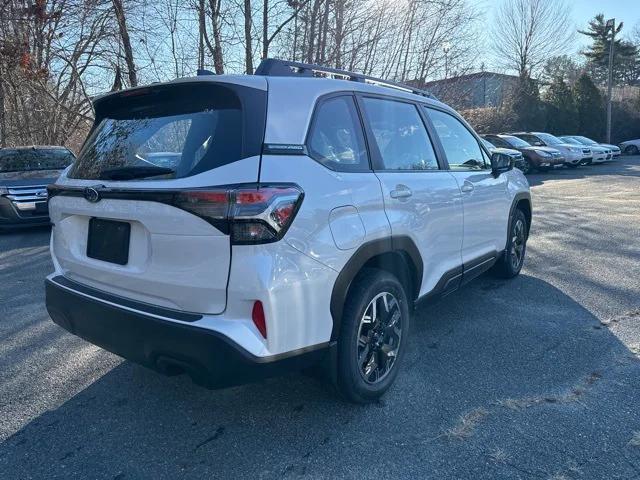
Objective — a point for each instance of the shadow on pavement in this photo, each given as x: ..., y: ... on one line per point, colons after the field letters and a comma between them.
x: 623, y: 166
x: 515, y: 366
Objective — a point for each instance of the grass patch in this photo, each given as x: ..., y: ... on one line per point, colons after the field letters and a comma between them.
x: 467, y: 424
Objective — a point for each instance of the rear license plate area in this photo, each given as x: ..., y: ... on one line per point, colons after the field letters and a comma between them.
x: 108, y: 241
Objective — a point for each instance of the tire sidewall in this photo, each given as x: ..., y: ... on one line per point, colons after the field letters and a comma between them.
x: 517, y: 215
x: 369, y: 284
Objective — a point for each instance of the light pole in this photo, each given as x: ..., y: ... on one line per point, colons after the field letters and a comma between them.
x: 445, y: 48
x: 611, y: 23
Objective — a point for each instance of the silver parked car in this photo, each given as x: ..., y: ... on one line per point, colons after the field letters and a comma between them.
x: 613, y: 150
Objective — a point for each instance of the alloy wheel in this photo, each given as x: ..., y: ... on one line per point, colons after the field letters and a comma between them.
x: 517, y: 244
x: 379, y: 336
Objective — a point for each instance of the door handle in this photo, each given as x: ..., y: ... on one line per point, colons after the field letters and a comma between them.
x: 467, y: 187
x: 401, y: 191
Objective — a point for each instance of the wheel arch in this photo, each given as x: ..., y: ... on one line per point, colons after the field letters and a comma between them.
x: 522, y: 201
x: 398, y: 255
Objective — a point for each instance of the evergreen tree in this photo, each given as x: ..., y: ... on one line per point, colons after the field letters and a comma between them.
x: 525, y: 106
x: 590, y: 108
x: 625, y: 54
x: 562, y: 66
x: 560, y: 108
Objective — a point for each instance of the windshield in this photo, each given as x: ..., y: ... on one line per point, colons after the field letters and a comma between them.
x: 571, y: 140
x: 585, y: 140
x: 27, y: 159
x: 174, y: 132
x: 515, y: 141
x: 550, y: 139
x: 487, y: 143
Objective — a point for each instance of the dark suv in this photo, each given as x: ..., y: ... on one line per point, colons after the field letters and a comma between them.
x: 538, y: 157
x: 25, y: 173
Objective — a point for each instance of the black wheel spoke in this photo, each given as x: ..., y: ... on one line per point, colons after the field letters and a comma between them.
x: 516, y: 251
x: 379, y: 337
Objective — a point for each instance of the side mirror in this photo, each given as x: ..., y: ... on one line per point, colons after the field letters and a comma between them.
x: 501, y: 162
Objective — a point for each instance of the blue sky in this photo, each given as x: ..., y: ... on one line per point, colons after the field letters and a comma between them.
x: 627, y: 11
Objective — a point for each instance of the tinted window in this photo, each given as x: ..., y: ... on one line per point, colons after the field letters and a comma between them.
x: 570, y: 140
x: 549, y: 139
x: 12, y: 160
x: 400, y: 134
x: 174, y: 132
x: 461, y: 147
x: 498, y: 142
x: 531, y: 139
x: 514, y: 141
x: 336, y: 139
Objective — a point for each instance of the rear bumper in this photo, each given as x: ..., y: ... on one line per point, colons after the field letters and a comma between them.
x: 210, y: 358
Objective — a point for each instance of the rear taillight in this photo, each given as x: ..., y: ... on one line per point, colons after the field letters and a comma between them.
x: 249, y: 213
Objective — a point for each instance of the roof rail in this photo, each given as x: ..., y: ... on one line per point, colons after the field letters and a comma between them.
x: 273, y: 67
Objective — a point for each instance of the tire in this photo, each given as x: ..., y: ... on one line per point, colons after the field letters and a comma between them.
x: 526, y: 166
x: 511, y: 261
x: 360, y: 378
x: 631, y: 150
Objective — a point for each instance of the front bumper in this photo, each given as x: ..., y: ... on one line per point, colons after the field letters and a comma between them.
x: 10, y: 216
x: 573, y: 159
x: 170, y: 347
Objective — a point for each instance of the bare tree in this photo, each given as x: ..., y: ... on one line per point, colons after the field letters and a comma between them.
x: 216, y: 28
x: 527, y: 32
x: 248, y: 45
x: 126, y: 42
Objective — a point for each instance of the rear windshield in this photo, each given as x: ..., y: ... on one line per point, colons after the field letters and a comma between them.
x: 22, y: 160
x: 166, y: 132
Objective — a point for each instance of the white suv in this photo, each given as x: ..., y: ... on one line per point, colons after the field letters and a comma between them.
x: 234, y: 227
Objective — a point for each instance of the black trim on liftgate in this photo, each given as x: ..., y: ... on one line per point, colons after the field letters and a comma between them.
x: 211, y: 359
x: 159, y: 195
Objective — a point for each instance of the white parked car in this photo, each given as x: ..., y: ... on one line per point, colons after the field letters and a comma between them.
x: 631, y: 147
x: 599, y: 154
x: 574, y: 155
x: 298, y: 223
x: 615, y: 151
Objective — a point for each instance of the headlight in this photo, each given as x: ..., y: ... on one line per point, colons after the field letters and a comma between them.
x: 574, y: 150
x: 4, y: 190
x: 542, y: 153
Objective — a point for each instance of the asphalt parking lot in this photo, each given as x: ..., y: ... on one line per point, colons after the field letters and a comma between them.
x: 538, y: 377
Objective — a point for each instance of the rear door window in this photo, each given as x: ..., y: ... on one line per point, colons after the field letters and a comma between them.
x: 400, y: 135
x: 172, y: 132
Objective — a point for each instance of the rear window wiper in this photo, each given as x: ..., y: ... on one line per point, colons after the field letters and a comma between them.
x: 129, y: 173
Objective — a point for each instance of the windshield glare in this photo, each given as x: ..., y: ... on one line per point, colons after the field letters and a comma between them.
x: 550, y: 139
x: 571, y: 140
x: 585, y: 140
x: 23, y: 160
x: 515, y: 141
x: 182, y: 143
